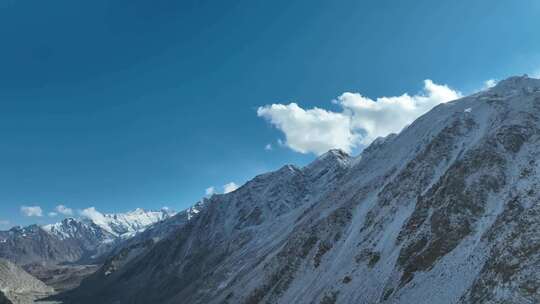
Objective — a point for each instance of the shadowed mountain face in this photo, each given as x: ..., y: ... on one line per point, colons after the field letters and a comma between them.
x: 33, y: 244
x: 3, y: 299
x: 445, y: 212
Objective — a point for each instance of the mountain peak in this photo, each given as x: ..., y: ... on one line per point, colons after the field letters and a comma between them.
x: 518, y: 82
x: 130, y: 222
x: 336, y: 153
x: 333, y: 155
x: 328, y: 167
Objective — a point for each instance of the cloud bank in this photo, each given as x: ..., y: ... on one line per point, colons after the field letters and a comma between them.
x: 32, y: 211
x: 359, y: 122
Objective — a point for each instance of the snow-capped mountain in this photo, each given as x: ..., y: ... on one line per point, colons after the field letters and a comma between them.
x: 71, y: 228
x: 447, y: 211
x: 75, y: 240
x: 114, y: 225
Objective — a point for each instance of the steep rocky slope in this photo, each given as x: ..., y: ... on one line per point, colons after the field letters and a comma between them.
x: 19, y: 287
x: 141, y: 243
x: 445, y: 212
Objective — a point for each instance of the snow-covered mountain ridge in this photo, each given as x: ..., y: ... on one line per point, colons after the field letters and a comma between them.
x: 446, y: 211
x: 116, y: 224
x: 73, y: 240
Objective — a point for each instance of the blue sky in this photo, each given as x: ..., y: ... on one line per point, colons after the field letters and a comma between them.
x: 125, y: 104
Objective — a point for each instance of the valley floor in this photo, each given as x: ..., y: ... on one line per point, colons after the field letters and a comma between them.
x: 62, y: 277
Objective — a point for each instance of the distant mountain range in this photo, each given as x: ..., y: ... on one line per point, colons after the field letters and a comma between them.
x: 75, y: 240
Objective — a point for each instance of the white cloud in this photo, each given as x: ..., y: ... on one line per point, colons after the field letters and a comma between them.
x: 64, y: 210
x: 268, y: 147
x: 385, y: 115
x: 314, y: 130
x: 536, y: 74
x: 230, y: 187
x: 32, y: 211
x: 490, y: 83
x: 4, y: 223
x: 92, y: 214
x: 360, y: 121
x: 210, y: 191
x: 53, y: 214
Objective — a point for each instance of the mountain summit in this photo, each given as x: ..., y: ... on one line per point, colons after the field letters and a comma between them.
x: 447, y: 211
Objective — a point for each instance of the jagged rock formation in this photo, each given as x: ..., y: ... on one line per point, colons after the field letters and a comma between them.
x: 19, y: 287
x: 75, y: 240
x: 447, y: 211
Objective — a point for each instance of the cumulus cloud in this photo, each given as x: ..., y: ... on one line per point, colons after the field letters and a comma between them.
x: 359, y: 122
x: 32, y: 211
x: 385, y: 115
x: 53, y: 214
x: 230, y: 187
x: 210, y: 191
x: 313, y: 130
x: 92, y: 214
x: 268, y: 147
x: 61, y: 209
